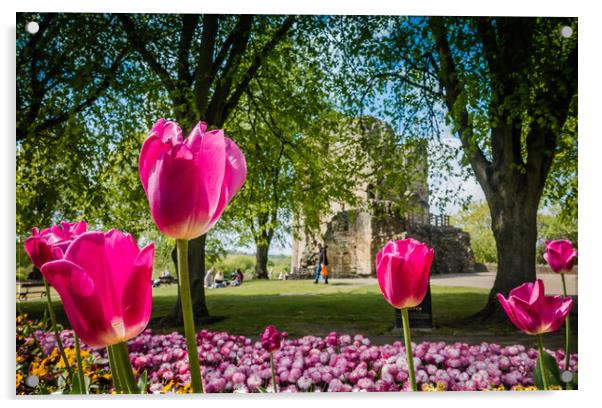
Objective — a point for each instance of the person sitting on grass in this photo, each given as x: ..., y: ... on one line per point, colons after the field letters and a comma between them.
x: 219, y: 280
x: 239, y: 278
x: 209, y: 278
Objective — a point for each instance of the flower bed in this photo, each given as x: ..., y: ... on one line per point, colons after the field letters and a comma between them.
x: 335, y: 363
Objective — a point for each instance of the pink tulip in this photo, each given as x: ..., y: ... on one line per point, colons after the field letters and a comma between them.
x: 533, y: 312
x: 271, y: 339
x: 104, y: 281
x: 51, y: 243
x: 560, y: 255
x: 189, y: 182
x: 402, y: 269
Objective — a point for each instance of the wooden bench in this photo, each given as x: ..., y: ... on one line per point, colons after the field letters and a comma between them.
x: 30, y: 287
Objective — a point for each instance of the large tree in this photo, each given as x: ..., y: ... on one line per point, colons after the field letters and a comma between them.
x: 507, y: 88
x: 205, y: 64
x: 530, y: 90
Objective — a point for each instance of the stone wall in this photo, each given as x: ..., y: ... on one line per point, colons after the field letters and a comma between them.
x: 453, y: 253
x: 348, y: 236
x: 354, y: 237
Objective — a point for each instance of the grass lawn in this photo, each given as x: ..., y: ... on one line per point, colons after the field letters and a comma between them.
x: 301, y: 308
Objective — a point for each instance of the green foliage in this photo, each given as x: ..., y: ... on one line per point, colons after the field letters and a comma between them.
x: 231, y: 262
x: 246, y: 263
x: 476, y: 220
x: 552, y: 370
x: 555, y: 225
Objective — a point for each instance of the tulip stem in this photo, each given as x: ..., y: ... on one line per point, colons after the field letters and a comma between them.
x: 542, y: 368
x: 567, y: 347
x: 408, y: 344
x: 273, y: 372
x: 114, y: 367
x: 59, y: 343
x: 126, y: 374
x: 80, y: 366
x: 189, y: 327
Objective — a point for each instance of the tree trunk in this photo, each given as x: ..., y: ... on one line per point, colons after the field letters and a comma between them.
x: 196, y: 265
x: 261, y: 261
x: 514, y: 225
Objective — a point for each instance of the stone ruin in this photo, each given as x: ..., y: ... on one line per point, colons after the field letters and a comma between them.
x: 354, y: 236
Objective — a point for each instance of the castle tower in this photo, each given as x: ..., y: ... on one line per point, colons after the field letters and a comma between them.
x: 392, y: 202
x: 348, y: 232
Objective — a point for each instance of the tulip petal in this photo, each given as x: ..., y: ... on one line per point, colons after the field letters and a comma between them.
x: 403, y: 245
x: 38, y: 250
x: 394, y: 283
x: 525, y: 292
x: 82, y: 303
x: 423, y: 281
x: 508, y: 309
x: 152, y: 148
x: 121, y: 251
x: 211, y: 164
x: 89, y: 252
x: 556, y: 309
x: 177, y: 198
x: 195, y: 137
x: 528, y: 317
x: 389, y: 248
x: 137, y: 294
x: 236, y: 169
x: 168, y: 131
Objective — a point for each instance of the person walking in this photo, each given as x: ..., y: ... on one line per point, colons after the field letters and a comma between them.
x: 324, y: 263
x: 318, y: 270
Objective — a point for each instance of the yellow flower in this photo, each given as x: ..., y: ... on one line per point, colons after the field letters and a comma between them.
x: 498, y: 388
x: 21, y: 358
x: 19, y: 378
x: 38, y: 368
x: 186, y: 389
x: 428, y: 387
x: 523, y: 388
x: 167, y: 387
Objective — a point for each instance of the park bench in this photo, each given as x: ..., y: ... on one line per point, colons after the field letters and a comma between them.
x: 164, y: 280
x: 30, y: 287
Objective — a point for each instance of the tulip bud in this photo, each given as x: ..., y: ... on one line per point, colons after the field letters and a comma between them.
x: 402, y: 269
x: 189, y: 182
x: 560, y: 255
x: 271, y: 339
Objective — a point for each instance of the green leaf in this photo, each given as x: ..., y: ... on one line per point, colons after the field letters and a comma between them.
x: 142, y: 382
x: 551, y: 367
x: 76, y: 387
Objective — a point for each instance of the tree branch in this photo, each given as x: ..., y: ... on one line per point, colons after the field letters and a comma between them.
x: 456, y: 108
x: 256, y: 64
x: 92, y: 96
x: 139, y: 45
x: 189, y: 23
x: 215, y: 111
x: 203, y: 76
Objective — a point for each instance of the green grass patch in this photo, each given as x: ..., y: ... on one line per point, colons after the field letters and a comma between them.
x: 302, y: 307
